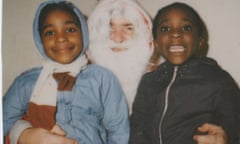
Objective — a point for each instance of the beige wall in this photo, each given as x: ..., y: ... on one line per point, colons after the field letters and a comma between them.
x: 19, y: 52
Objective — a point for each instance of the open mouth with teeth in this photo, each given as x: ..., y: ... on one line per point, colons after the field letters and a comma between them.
x: 176, y: 48
x: 117, y: 49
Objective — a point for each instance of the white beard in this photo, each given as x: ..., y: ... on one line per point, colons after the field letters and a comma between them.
x: 128, y: 65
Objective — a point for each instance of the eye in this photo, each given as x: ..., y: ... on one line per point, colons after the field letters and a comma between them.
x: 71, y: 30
x: 187, y: 28
x: 129, y: 28
x: 48, y: 33
x: 165, y: 29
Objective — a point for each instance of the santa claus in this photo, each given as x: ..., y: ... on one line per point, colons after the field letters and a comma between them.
x: 121, y: 40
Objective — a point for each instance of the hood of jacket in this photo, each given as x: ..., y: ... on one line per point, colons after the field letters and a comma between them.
x: 36, y: 35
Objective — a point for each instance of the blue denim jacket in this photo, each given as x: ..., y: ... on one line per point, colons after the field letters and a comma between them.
x: 94, y: 112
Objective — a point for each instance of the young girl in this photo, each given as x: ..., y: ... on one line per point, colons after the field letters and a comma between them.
x: 86, y: 101
x: 188, y: 89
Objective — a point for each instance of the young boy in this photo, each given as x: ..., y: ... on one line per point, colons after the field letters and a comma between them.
x: 188, y: 89
x: 86, y: 101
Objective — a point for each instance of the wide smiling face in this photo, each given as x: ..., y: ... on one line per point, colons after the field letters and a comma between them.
x: 177, y: 36
x: 61, y: 36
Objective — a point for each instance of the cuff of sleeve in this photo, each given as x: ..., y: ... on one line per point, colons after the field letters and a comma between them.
x: 17, y: 129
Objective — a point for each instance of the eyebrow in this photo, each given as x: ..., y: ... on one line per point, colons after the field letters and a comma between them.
x: 66, y: 22
x: 128, y: 24
x: 166, y: 20
x: 124, y: 24
x: 71, y: 22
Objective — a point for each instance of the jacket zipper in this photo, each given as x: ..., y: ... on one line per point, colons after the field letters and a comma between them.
x: 166, y: 103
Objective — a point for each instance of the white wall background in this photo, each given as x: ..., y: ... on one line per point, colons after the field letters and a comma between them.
x: 19, y: 52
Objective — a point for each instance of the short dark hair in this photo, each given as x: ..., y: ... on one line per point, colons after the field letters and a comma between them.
x: 61, y: 6
x: 201, y: 27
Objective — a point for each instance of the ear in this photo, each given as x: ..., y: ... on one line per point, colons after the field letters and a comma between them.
x: 155, y: 44
x: 201, y: 42
x: 202, y: 47
x: 155, y: 58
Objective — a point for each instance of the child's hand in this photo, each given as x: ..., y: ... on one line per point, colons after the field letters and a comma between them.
x: 42, y: 136
x: 58, y: 130
x: 215, y: 135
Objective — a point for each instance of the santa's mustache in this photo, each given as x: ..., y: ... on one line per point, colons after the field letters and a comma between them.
x: 125, y: 44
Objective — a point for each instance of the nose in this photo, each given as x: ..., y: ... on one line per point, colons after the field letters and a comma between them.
x: 176, y: 33
x: 61, y: 37
x: 117, y: 36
